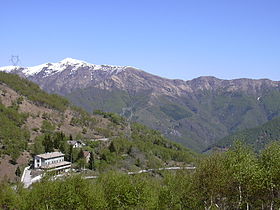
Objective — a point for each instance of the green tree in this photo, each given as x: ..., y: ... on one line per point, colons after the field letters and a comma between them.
x: 176, y: 191
x: 38, y: 147
x: 9, y: 198
x: 211, y: 179
x: 128, y: 192
x: 270, y: 163
x: 81, y: 163
x: 245, y: 174
x: 48, y: 143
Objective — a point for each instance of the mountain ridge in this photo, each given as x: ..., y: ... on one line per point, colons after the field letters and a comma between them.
x: 199, y: 82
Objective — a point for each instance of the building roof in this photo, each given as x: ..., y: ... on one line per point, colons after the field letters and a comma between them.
x: 50, y: 155
x: 86, y: 153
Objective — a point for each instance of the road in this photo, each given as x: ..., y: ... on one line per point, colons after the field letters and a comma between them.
x: 27, y: 179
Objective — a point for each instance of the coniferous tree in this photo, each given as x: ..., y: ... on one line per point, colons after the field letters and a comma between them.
x: 91, y: 161
x: 71, y: 153
x: 18, y: 172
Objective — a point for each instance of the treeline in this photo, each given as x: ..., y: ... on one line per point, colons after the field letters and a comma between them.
x: 33, y: 92
x: 236, y: 179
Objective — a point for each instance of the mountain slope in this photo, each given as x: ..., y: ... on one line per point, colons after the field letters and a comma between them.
x: 195, y: 113
x: 257, y: 137
x: 33, y: 122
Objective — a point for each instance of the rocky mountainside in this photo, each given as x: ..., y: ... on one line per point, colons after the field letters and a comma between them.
x: 196, y: 113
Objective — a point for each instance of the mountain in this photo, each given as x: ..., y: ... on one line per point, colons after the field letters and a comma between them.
x: 34, y: 122
x: 257, y: 137
x: 195, y: 113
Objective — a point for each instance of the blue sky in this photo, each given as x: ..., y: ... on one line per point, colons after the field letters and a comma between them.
x: 180, y: 39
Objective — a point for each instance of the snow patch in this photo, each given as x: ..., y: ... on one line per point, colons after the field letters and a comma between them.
x: 30, y: 71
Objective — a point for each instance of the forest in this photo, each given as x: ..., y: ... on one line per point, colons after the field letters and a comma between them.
x: 235, y: 179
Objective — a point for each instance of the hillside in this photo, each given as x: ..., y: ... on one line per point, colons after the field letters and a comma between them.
x: 257, y: 137
x: 195, y: 113
x: 33, y: 122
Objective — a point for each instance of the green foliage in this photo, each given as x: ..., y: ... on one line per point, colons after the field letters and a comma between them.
x: 145, y: 148
x: 176, y: 112
x: 47, y: 127
x: 33, y: 92
x: 177, y: 192
x: 257, y: 137
x: 38, y: 147
x: 113, y: 117
x: 152, y: 141
x: 72, y: 193
x: 48, y: 143
x: 9, y: 198
x: 12, y: 136
x: 123, y: 191
x: 270, y: 163
x: 271, y: 103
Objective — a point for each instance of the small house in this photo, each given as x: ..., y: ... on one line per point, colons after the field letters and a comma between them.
x: 76, y: 143
x: 86, y: 156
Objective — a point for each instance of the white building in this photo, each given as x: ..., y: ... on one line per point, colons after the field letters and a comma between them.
x: 76, y: 143
x: 52, y: 161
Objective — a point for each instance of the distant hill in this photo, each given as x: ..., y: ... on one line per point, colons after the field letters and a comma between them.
x: 257, y: 137
x: 195, y: 113
x: 33, y: 121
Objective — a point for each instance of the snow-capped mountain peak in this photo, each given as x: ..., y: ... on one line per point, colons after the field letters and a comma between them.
x: 72, y: 61
x: 49, y: 69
